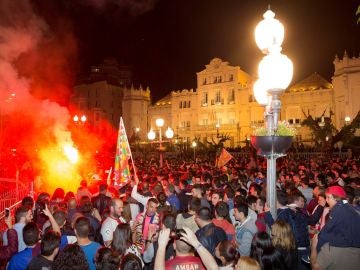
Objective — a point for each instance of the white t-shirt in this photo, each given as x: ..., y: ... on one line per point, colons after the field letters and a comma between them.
x: 108, y: 227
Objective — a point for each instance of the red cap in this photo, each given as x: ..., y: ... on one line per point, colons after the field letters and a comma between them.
x: 337, y: 191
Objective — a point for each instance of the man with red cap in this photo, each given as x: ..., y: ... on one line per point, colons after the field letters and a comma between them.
x: 338, y: 243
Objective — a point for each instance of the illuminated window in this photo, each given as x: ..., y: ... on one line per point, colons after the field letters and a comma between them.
x: 204, y: 98
x: 231, y: 98
x: 218, y: 97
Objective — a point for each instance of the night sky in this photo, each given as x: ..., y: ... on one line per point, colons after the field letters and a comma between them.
x: 168, y: 41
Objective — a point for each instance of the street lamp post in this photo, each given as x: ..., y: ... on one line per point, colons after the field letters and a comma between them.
x: 82, y: 119
x: 169, y: 134
x: 275, y: 74
x: 217, y: 130
x: 347, y: 120
x: 194, y: 144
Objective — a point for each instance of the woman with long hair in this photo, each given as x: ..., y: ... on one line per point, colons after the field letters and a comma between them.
x: 264, y: 252
x: 122, y: 241
x: 284, y: 241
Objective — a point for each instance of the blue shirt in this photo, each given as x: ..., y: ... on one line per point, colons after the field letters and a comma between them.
x: 173, y: 200
x: 90, y: 251
x: 21, y: 260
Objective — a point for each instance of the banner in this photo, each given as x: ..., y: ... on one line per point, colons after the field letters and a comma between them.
x: 224, y: 158
x: 123, y: 153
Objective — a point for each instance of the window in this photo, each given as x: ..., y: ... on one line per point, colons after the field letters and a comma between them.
x: 184, y: 104
x: 188, y: 123
x: 251, y: 99
x: 204, y: 99
x: 188, y: 104
x: 231, y: 98
x: 205, y: 122
x: 231, y: 77
x: 204, y: 81
x: 180, y: 105
x: 219, y: 79
x: 218, y: 97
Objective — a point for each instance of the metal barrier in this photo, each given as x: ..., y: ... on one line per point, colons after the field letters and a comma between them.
x: 13, y: 196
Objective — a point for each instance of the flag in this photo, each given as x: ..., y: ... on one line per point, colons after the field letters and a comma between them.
x: 224, y: 158
x: 122, y: 155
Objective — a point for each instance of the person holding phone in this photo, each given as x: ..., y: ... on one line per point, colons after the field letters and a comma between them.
x: 7, y: 251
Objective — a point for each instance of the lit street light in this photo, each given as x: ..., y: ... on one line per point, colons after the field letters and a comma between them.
x: 275, y: 74
x: 169, y: 134
x: 194, y: 144
x: 82, y: 119
x: 347, y: 120
x: 217, y: 130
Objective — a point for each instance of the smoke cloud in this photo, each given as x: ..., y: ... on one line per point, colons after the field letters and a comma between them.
x: 35, y: 73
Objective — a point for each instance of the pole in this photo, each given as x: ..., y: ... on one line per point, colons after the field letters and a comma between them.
x: 194, y: 154
x: 271, y: 160
x: 271, y: 184
x: 160, y: 148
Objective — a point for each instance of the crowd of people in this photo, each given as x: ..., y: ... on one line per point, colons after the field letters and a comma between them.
x: 193, y: 216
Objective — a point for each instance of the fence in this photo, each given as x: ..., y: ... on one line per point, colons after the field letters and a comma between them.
x: 11, y: 198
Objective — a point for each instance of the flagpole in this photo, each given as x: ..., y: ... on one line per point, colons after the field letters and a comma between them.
x: 131, y: 157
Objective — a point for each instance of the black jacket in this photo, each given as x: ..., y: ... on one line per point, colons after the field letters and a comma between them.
x: 210, y: 236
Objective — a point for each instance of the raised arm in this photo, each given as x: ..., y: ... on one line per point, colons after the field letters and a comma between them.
x: 206, y: 257
x: 160, y: 254
x: 53, y: 222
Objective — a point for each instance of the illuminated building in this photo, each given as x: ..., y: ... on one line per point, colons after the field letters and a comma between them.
x: 107, y: 93
x: 223, y: 102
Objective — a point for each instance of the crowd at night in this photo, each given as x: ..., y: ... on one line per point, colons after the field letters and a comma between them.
x: 196, y: 216
x: 221, y: 175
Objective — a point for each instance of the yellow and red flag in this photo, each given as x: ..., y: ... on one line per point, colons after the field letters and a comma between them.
x: 224, y: 158
x: 123, y: 153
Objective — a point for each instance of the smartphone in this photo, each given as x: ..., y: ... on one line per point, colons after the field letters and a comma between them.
x: 7, y: 212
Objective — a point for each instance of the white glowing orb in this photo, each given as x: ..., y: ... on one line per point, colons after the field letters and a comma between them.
x: 260, y: 92
x: 71, y: 153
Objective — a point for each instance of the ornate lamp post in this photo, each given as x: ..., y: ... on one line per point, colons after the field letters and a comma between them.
x: 169, y: 134
x: 275, y: 74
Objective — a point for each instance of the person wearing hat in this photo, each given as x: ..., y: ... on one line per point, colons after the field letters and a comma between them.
x: 338, y: 243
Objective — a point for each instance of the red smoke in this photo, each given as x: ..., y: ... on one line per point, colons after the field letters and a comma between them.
x: 37, y: 65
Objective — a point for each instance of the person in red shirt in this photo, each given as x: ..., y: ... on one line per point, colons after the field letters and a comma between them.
x: 186, y: 244
x: 222, y: 220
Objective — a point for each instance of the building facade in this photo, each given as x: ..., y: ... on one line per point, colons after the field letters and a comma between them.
x: 346, y: 82
x: 107, y: 93
x: 223, y: 103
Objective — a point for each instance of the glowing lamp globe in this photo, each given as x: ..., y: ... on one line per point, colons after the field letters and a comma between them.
x: 260, y: 92
x: 159, y: 122
x: 269, y: 33
x: 151, y: 135
x: 169, y: 133
x: 276, y: 71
